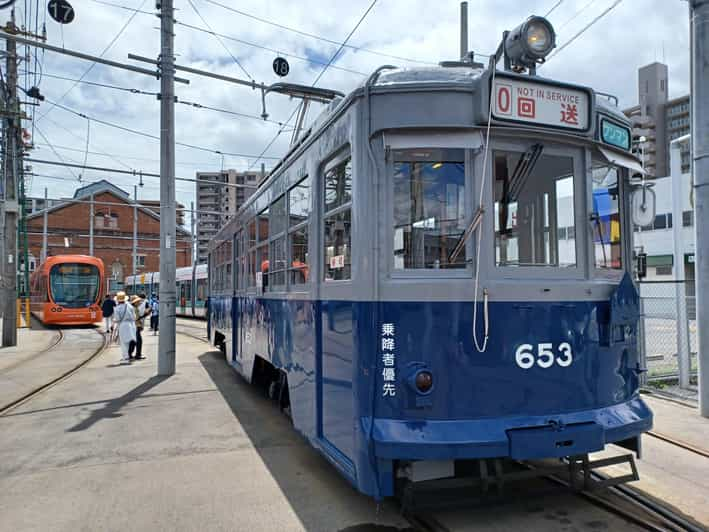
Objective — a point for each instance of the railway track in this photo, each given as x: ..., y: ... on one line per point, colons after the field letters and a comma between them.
x: 67, y: 337
x: 622, y: 501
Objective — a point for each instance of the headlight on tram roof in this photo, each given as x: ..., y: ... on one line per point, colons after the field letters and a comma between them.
x: 530, y: 42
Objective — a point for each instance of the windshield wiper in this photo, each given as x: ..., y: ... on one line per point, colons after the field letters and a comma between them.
x: 524, y: 168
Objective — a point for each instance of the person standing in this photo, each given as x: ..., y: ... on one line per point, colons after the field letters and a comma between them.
x: 124, y: 320
x: 141, y: 311
x: 107, y: 308
x: 154, y: 313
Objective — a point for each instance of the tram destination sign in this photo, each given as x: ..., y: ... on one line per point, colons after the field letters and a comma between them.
x: 542, y: 104
x: 615, y: 134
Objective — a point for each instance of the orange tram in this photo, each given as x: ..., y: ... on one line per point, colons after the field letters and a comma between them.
x: 67, y: 290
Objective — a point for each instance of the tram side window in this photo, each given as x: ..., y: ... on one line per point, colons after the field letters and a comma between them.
x: 534, y: 201
x: 250, y: 258
x: 299, y: 211
x: 337, y: 222
x: 429, y: 208
x: 606, y: 223
x: 277, y: 256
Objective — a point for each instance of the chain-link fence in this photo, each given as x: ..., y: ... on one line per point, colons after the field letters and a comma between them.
x: 668, y: 330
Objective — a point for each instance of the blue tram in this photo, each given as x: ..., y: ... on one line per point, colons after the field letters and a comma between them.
x: 440, y: 270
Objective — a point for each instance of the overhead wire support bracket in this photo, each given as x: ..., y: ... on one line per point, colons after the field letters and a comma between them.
x: 294, y: 90
x: 79, y: 55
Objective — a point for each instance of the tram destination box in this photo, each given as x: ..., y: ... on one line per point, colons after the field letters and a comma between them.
x: 519, y: 99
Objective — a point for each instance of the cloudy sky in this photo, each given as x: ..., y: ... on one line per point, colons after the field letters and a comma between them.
x: 606, y: 57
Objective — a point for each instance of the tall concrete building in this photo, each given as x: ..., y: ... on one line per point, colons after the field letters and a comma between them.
x: 658, y: 120
x: 219, y: 196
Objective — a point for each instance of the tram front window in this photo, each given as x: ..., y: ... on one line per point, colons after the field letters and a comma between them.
x: 606, y: 219
x: 429, y: 207
x: 74, y: 285
x: 534, y: 209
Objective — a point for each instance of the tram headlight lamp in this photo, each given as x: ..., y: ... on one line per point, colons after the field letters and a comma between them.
x: 530, y: 42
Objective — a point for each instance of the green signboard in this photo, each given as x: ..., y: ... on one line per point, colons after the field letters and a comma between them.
x: 615, y: 134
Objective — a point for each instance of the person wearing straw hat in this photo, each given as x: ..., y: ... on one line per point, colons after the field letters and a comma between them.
x: 124, y: 320
x: 138, y: 302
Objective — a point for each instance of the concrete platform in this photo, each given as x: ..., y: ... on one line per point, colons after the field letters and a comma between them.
x: 117, y: 448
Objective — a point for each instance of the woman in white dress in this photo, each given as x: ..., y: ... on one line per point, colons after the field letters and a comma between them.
x: 124, y: 318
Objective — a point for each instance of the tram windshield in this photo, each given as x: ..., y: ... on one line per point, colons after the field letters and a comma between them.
x: 74, y: 285
x: 534, y: 209
x: 429, y: 207
x: 606, y: 217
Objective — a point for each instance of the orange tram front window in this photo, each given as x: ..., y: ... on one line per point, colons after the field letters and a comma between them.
x: 74, y: 285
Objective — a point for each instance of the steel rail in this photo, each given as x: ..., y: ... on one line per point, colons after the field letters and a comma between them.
x: 679, y: 443
x: 57, y: 339
x: 4, y: 410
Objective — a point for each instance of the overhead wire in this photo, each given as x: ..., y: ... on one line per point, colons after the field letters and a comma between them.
x: 194, y: 8
x: 184, y: 102
x: 553, y: 8
x: 56, y: 152
x: 322, y: 72
x: 102, y: 151
x: 290, y: 29
x: 132, y: 172
x: 585, y: 28
x: 318, y: 37
x: 127, y: 157
x: 93, y: 64
x: 151, y: 136
x: 575, y: 15
x: 268, y: 49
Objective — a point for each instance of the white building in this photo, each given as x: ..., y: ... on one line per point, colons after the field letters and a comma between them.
x: 658, y: 239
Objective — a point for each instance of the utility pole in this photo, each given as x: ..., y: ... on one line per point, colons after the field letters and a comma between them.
x: 166, y: 340
x: 463, y: 30
x: 44, y: 227
x: 10, y: 166
x: 699, y: 22
x: 91, y: 226
x: 194, y: 236
x: 135, y: 234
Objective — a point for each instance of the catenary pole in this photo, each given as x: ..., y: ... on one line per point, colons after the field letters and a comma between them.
x: 699, y: 21
x: 683, y: 345
x: 135, y: 233
x: 45, y: 219
x: 463, y: 30
x: 91, y: 226
x: 11, y: 206
x: 166, y: 340
x: 192, y: 230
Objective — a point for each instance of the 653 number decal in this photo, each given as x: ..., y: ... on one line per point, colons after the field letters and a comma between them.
x: 545, y: 355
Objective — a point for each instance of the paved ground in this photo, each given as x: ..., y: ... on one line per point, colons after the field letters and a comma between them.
x: 116, y: 448
x: 35, y: 362
x: 668, y: 472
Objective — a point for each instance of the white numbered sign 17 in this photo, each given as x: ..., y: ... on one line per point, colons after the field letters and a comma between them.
x: 544, y: 356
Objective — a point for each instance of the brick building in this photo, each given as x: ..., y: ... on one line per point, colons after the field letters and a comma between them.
x: 68, y: 231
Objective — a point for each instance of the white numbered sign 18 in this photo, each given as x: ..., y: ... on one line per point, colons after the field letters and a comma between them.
x: 544, y: 356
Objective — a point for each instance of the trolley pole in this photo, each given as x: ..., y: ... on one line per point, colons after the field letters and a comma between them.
x: 166, y: 340
x: 11, y: 114
x: 699, y: 21
x: 44, y: 227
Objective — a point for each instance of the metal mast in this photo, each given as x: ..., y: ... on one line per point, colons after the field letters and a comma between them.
x: 699, y: 21
x: 11, y: 205
x: 166, y: 341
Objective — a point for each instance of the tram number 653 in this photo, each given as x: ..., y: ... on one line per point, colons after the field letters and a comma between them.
x: 545, y: 355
